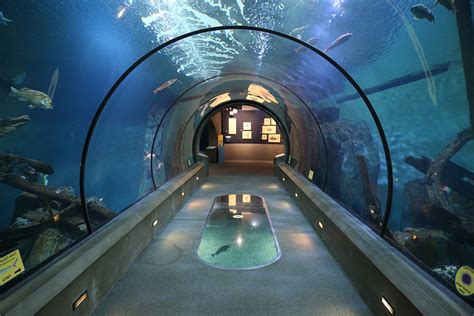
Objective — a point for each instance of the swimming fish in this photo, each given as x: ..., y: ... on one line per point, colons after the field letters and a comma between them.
x: 421, y: 11
x: 37, y: 99
x: 310, y: 41
x: 165, y: 85
x: 448, y: 4
x: 221, y: 250
x: 3, y: 20
x: 298, y: 30
x: 341, y: 39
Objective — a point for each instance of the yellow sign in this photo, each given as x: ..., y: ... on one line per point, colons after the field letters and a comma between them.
x: 11, y: 266
x: 311, y: 175
x: 465, y: 281
x: 246, y: 198
x: 220, y: 140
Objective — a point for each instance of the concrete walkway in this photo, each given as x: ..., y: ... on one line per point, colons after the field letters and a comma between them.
x: 168, y: 279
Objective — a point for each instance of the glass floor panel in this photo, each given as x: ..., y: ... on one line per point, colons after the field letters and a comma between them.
x: 238, y: 234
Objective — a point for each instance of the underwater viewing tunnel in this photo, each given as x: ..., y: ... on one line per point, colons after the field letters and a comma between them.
x: 237, y: 157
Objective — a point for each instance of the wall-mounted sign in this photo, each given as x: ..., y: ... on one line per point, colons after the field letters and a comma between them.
x: 465, y: 281
x: 269, y: 129
x: 232, y: 125
x: 11, y: 266
x: 266, y: 121
x: 272, y: 122
x: 264, y: 136
x: 232, y: 199
x: 246, y: 134
x: 220, y: 140
x: 246, y: 198
x: 274, y: 138
x: 247, y: 126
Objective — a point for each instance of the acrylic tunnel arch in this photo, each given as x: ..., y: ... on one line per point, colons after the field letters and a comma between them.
x: 319, y: 53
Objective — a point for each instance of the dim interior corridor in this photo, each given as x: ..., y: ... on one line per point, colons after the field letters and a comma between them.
x: 168, y: 278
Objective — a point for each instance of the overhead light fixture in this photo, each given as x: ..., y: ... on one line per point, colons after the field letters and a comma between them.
x: 388, y: 306
x: 155, y: 222
x: 234, y: 111
x: 81, y: 299
x: 320, y: 224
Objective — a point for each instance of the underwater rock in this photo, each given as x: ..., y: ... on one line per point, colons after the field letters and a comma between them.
x: 434, y: 247
x: 26, y: 202
x: 38, y: 215
x: 328, y: 114
x: 48, y: 243
x: 346, y: 141
x: 11, y: 124
x: 447, y: 272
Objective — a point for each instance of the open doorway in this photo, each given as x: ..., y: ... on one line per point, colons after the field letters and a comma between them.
x: 242, y: 139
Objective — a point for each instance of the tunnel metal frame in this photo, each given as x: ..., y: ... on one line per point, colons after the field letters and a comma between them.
x: 234, y: 74
x: 138, y: 62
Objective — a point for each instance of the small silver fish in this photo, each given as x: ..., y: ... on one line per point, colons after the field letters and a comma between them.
x: 165, y: 85
x: 421, y: 11
x: 341, y: 39
x: 37, y: 99
x: 310, y: 41
x: 298, y: 30
x: 3, y: 20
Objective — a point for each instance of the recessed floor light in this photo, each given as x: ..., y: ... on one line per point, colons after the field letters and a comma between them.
x: 388, y: 306
x: 155, y: 222
x: 320, y: 225
x: 81, y: 299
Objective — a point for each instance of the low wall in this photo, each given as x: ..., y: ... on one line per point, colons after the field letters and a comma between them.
x: 376, y: 268
x: 251, y: 152
x: 100, y: 260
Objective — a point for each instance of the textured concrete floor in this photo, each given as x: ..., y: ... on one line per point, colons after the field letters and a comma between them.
x: 168, y: 279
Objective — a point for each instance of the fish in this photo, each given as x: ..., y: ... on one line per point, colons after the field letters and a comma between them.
x: 37, y: 99
x: 341, y: 39
x: 298, y: 30
x: 310, y: 41
x: 165, y: 85
x: 448, y: 4
x: 221, y: 250
x: 421, y: 11
x: 3, y: 20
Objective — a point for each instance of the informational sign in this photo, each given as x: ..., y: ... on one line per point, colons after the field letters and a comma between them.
x: 264, y: 137
x: 269, y: 129
x: 311, y: 175
x: 11, y: 266
x: 232, y: 125
x: 272, y: 122
x: 465, y: 281
x: 246, y: 198
x: 232, y: 199
x: 220, y: 140
x: 247, y: 126
x: 274, y: 138
x: 266, y: 121
x: 246, y: 134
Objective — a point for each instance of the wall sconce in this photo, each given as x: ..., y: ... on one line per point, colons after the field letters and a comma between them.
x: 81, y: 299
x: 388, y: 306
